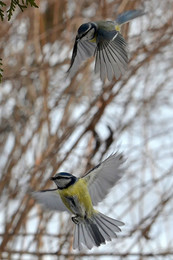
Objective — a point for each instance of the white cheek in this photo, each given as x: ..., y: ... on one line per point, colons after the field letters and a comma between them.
x: 62, y: 182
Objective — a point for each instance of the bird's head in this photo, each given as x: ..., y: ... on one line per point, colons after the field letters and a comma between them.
x: 63, y: 180
x: 87, y: 31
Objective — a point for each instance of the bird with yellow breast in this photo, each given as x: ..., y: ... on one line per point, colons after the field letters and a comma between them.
x: 79, y: 195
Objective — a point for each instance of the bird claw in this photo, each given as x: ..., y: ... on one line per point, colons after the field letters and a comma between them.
x: 76, y: 219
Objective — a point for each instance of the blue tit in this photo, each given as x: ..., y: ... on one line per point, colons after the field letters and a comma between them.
x: 79, y: 195
x: 103, y: 40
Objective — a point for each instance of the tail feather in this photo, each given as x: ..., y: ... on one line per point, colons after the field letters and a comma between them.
x: 89, y: 238
x: 87, y: 233
x: 110, y: 222
x: 103, y: 230
x: 107, y: 232
x: 76, y: 237
x: 95, y: 231
x: 83, y: 237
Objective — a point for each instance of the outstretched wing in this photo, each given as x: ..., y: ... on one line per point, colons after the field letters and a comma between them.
x: 111, y: 55
x: 104, y: 176
x: 81, y: 51
x: 50, y: 199
x: 129, y: 15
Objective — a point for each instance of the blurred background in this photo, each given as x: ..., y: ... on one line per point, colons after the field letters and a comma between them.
x: 50, y: 123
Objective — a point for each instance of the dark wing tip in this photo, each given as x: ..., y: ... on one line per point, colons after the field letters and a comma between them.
x: 74, y: 53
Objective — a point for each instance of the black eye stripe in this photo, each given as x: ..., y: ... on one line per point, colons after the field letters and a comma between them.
x: 89, y: 28
x: 86, y: 32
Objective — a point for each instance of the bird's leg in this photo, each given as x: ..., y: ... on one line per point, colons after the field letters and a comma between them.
x: 77, y: 219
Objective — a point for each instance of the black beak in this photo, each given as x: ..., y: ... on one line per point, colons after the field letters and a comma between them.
x: 52, y: 178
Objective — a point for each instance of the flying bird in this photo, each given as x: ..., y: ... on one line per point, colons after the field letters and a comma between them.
x: 79, y: 195
x: 103, y: 40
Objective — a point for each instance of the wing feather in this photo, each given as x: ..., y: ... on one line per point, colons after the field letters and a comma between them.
x: 111, y: 56
x: 49, y: 199
x: 113, y: 62
x: 108, y: 64
x: 122, y: 56
x: 121, y: 53
x: 81, y: 51
x: 104, y: 176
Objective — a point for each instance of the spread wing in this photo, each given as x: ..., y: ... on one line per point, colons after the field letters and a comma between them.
x: 129, y: 15
x: 81, y: 51
x: 50, y: 199
x: 104, y: 176
x: 111, y: 55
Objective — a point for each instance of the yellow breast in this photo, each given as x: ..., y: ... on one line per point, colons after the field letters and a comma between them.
x: 79, y: 191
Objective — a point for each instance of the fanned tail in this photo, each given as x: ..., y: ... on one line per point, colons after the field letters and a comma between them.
x: 95, y: 231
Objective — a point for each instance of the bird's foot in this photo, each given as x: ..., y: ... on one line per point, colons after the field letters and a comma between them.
x: 76, y: 219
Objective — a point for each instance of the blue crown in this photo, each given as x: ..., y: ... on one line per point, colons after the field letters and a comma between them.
x: 83, y: 28
x: 64, y: 174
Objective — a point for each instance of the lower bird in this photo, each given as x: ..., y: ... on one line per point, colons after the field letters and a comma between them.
x: 79, y: 195
x: 103, y: 40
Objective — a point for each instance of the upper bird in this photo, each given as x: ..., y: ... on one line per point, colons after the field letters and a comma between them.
x: 103, y: 40
x: 79, y: 195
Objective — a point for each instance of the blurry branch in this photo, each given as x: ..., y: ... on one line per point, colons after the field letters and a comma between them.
x: 152, y: 216
x: 1, y: 70
x: 122, y: 255
x: 43, y: 100
x: 14, y: 3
